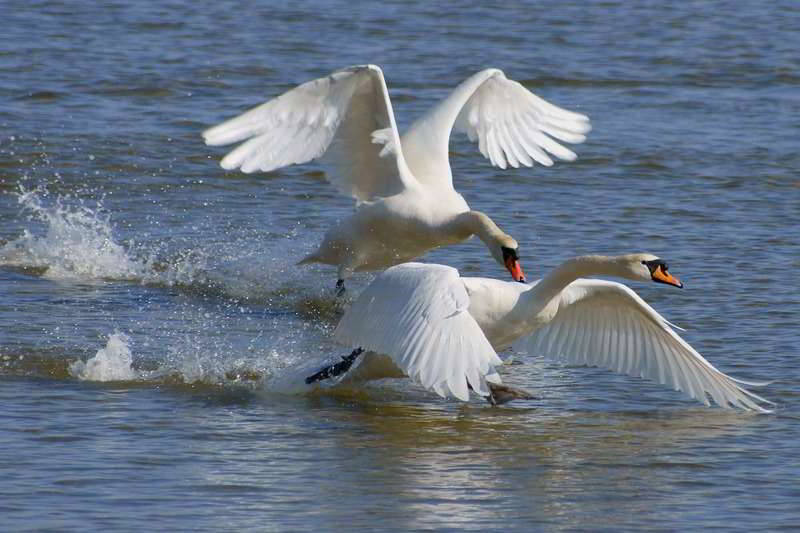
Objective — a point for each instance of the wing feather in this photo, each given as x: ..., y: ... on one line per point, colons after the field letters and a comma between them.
x: 502, y: 100
x: 606, y: 324
x: 417, y: 315
x: 533, y: 149
x: 335, y: 117
x: 521, y: 150
x: 512, y: 125
x: 605, y: 343
x: 633, y: 344
x: 514, y: 151
x: 495, y: 152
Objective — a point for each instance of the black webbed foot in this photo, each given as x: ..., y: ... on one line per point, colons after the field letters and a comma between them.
x: 336, y: 369
x: 339, y: 288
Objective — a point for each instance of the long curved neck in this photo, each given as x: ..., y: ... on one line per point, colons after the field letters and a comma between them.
x: 426, y: 143
x: 477, y: 223
x: 570, y: 270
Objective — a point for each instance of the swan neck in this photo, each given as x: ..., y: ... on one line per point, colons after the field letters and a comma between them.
x: 426, y: 142
x: 570, y: 270
x: 447, y: 110
x: 477, y: 223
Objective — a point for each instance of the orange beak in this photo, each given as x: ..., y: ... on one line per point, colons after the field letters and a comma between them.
x: 662, y: 276
x: 515, y: 268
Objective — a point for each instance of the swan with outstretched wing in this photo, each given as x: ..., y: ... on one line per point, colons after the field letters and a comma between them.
x: 403, y: 186
x: 443, y: 330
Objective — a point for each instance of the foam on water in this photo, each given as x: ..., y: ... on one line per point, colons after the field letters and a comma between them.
x: 216, y: 339
x: 191, y: 364
x: 77, y: 242
x: 112, y: 363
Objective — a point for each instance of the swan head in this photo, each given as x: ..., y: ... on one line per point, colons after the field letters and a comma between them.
x: 648, y: 267
x: 502, y: 246
x: 506, y: 252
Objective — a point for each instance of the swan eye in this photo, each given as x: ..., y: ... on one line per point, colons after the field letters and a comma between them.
x: 509, y: 252
x: 655, y: 264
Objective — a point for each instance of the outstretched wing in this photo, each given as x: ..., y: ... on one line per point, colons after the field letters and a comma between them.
x: 606, y: 324
x: 512, y: 126
x: 336, y: 116
x: 417, y: 315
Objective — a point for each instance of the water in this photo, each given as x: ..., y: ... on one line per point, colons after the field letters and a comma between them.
x: 151, y: 314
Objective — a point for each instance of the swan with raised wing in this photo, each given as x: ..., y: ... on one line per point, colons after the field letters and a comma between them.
x: 442, y: 330
x: 403, y: 186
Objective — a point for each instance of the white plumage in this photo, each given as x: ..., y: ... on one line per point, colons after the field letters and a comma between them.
x: 408, y: 314
x: 607, y: 325
x: 418, y: 315
x: 336, y: 114
x: 403, y: 185
x: 510, y: 124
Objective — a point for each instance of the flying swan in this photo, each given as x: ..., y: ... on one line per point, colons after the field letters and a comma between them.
x: 403, y: 186
x: 426, y: 322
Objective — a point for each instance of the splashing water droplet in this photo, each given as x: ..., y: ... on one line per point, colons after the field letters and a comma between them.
x: 112, y: 363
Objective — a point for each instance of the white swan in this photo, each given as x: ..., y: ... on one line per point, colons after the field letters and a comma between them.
x: 406, y: 203
x: 442, y: 330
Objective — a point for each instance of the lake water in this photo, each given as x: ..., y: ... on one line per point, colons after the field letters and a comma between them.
x: 150, y: 309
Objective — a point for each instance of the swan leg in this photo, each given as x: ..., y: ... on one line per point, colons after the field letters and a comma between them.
x: 335, y: 369
x: 345, y: 271
x: 500, y: 394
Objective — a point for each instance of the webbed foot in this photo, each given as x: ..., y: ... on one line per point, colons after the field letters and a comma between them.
x: 501, y: 394
x: 336, y: 369
x: 340, y: 288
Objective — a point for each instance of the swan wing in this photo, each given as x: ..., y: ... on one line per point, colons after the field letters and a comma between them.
x: 606, y: 324
x: 512, y: 126
x: 347, y: 116
x: 417, y: 315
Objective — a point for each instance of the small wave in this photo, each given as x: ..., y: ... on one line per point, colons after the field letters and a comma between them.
x: 42, y: 96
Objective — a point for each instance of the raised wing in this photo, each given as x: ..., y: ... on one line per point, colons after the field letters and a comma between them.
x: 336, y: 116
x: 606, y: 324
x: 417, y: 315
x: 512, y: 125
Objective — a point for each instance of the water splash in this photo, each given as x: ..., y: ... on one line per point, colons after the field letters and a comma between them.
x: 112, y: 363
x: 78, y: 244
x: 231, y: 330
x: 269, y: 371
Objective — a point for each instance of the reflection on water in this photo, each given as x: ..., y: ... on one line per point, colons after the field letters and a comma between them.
x: 455, y: 467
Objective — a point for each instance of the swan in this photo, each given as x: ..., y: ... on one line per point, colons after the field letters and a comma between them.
x: 443, y: 331
x: 403, y: 186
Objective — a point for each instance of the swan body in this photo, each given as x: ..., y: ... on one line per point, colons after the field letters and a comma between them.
x: 406, y: 202
x: 443, y: 331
